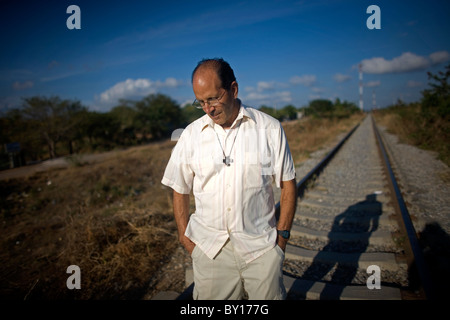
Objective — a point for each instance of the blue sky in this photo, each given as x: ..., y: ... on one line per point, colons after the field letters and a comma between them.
x: 282, y: 52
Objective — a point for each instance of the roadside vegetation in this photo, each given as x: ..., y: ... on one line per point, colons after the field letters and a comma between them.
x: 426, y: 123
x: 50, y: 127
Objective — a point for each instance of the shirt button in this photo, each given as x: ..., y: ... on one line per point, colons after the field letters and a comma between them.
x: 229, y: 209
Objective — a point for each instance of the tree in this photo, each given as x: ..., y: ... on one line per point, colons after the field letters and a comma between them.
x: 15, y: 128
x: 191, y: 113
x: 344, y: 109
x: 320, y: 108
x: 437, y: 98
x: 288, y: 112
x: 125, y: 115
x: 270, y: 111
x: 72, y: 122
x: 157, y: 116
x: 53, y: 120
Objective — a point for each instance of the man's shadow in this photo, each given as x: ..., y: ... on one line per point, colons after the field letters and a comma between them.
x: 361, y: 218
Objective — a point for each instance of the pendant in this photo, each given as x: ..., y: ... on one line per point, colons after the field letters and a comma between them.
x: 227, y: 160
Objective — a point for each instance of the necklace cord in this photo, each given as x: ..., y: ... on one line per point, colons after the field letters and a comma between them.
x: 220, y: 143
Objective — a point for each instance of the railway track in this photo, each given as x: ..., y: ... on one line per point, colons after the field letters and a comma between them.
x: 349, y: 238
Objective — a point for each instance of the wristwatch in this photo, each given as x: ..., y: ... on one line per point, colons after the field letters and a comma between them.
x: 284, y: 233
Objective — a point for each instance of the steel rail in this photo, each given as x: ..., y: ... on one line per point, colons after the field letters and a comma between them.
x: 417, y: 258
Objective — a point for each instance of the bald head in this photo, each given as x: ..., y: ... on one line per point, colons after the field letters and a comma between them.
x: 220, y: 67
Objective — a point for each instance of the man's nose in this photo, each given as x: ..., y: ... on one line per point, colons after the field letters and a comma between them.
x: 208, y: 107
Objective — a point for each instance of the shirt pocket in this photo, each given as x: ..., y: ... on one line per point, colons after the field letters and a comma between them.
x: 258, y: 170
x: 205, y: 174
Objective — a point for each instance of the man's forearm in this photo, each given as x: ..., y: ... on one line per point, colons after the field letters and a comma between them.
x: 181, y: 213
x: 288, y: 204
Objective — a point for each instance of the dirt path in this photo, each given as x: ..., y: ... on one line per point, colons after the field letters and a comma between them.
x: 59, y: 163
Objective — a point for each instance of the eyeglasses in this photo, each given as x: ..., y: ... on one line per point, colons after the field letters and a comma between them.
x: 212, y: 102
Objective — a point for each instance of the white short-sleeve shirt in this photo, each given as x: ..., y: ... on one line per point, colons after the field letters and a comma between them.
x: 235, y: 201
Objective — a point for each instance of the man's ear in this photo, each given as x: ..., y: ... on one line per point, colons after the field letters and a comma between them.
x: 235, y: 89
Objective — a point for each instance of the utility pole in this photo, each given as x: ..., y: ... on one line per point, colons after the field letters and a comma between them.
x: 361, y: 104
x: 374, y: 100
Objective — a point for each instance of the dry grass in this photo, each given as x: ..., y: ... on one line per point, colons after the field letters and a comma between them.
x: 308, y: 135
x: 113, y: 219
x: 394, y: 123
x: 413, y: 126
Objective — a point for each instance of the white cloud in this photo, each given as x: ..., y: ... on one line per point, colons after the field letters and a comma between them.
x: 255, y: 96
x: 283, y: 96
x: 22, y: 85
x: 269, y: 93
x: 372, y: 84
x: 439, y: 57
x: 317, y: 90
x: 338, y: 77
x: 265, y: 85
x: 306, y: 80
x: 405, y: 63
x: 262, y: 86
x: 271, y: 99
x: 136, y: 87
x: 170, y: 83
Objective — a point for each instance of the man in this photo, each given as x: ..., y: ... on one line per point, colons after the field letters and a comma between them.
x: 229, y: 158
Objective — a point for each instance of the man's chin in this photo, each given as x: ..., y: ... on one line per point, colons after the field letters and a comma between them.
x: 217, y: 119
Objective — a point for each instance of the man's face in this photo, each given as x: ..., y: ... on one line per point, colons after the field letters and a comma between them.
x: 207, y: 85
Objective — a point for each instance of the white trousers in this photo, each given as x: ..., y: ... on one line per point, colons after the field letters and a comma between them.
x: 228, y: 277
